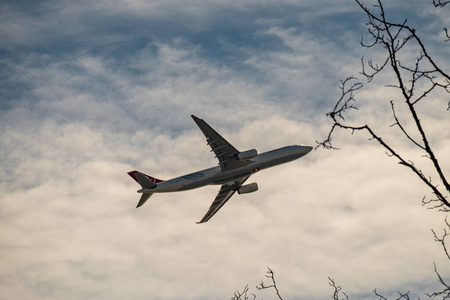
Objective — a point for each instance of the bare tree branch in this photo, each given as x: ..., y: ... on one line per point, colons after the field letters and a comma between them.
x: 444, y: 293
x: 447, y: 35
x: 262, y: 285
x: 442, y: 240
x: 337, y: 290
x: 397, y: 123
x: 440, y: 3
x: 424, y: 72
x: 242, y: 295
x: 344, y: 103
x: 415, y: 80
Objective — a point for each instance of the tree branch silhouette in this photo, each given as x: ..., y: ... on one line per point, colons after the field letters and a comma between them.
x: 414, y: 81
x: 242, y: 295
x: 424, y: 72
x: 263, y: 286
x: 337, y: 290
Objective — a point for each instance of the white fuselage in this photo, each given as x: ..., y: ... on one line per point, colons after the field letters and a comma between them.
x: 215, y: 175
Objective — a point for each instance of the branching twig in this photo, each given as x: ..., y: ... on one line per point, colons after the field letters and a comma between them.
x: 337, y: 290
x: 440, y: 3
x: 345, y: 102
x: 444, y: 293
x: 262, y: 285
x: 397, y: 123
x: 242, y: 295
x: 401, y: 295
x: 442, y: 239
x: 447, y: 35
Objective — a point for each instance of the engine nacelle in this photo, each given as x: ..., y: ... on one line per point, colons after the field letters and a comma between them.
x: 248, y: 188
x: 249, y: 154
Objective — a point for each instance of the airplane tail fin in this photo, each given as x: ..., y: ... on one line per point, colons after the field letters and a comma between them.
x: 147, y: 183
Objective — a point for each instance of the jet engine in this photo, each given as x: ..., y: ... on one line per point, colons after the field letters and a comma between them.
x: 249, y: 154
x: 248, y: 188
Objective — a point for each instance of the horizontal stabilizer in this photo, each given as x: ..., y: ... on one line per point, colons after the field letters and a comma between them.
x: 143, y: 199
x: 147, y: 183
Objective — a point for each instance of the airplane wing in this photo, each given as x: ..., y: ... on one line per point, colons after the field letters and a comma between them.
x: 223, y: 150
x: 226, y: 192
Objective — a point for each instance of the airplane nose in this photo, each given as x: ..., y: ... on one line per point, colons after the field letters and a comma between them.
x: 306, y: 149
x: 302, y: 150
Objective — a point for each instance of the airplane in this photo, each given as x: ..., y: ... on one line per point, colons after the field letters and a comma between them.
x: 234, y: 168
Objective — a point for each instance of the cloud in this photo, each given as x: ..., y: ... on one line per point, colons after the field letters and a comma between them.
x: 69, y: 226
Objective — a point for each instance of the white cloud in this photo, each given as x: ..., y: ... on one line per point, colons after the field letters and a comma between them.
x: 69, y: 224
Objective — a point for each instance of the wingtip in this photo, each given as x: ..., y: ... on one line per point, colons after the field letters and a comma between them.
x: 194, y: 117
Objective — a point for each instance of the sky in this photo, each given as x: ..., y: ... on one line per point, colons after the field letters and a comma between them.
x: 90, y: 91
